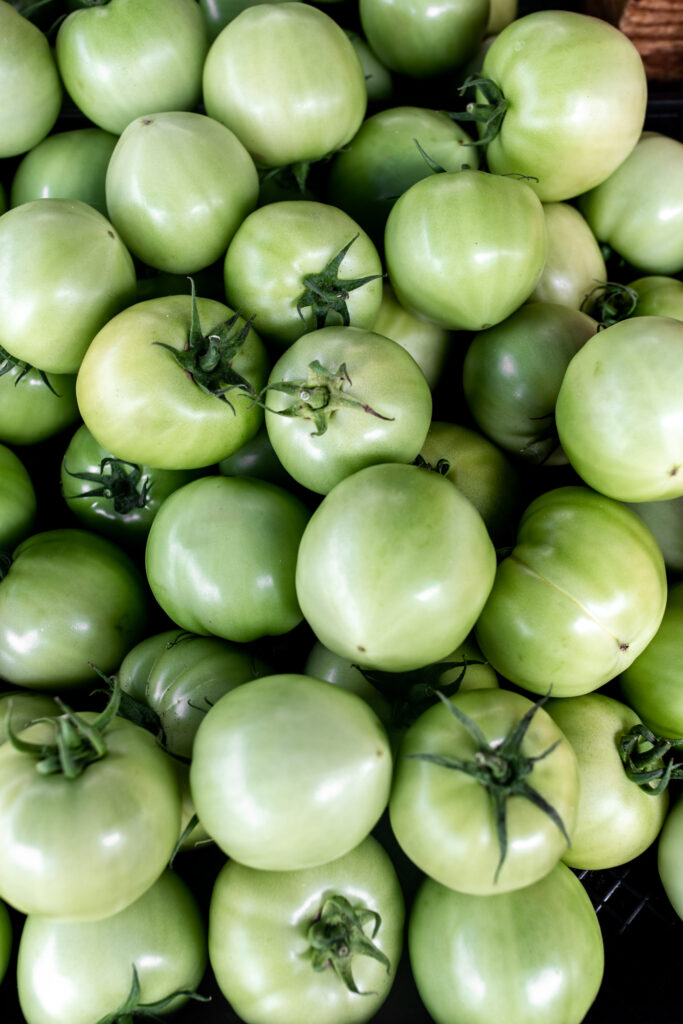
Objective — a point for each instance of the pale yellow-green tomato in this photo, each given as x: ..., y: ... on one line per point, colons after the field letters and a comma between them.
x: 574, y: 264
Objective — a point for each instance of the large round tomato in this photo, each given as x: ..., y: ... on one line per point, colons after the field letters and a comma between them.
x: 183, y: 220
x: 335, y: 933
x: 465, y: 248
x: 18, y: 503
x: 221, y: 557
x: 670, y: 856
x: 574, y: 264
x: 146, y: 395
x: 70, y: 599
x: 619, y: 411
x: 580, y: 596
x: 574, y: 92
x: 289, y: 772
x: 533, y: 956
x: 416, y: 567
x: 286, y: 79
x: 76, y: 972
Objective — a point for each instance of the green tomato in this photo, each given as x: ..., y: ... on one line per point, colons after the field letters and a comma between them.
x: 64, y: 272
x: 533, y: 956
x: 286, y: 979
x: 378, y: 78
x: 618, y: 410
x: 217, y: 13
x: 84, y: 848
x: 465, y: 249
x: 69, y: 600
x: 297, y: 265
x: 428, y: 344
x: 22, y: 707
x: 78, y: 972
x: 181, y: 221
x: 575, y: 91
x: 342, y: 398
x: 132, y: 57
x: 512, y: 375
x: 66, y: 165
x: 665, y: 519
x: 617, y: 820
x: 221, y: 557
x: 256, y: 458
x: 638, y: 209
x: 29, y: 84
x: 670, y: 856
x: 417, y: 567
x: 449, y: 793
x: 18, y: 502
x: 139, y: 402
x: 658, y: 295
x: 34, y: 405
x: 286, y: 80
x: 580, y: 596
x: 289, y: 772
x: 653, y: 683
x: 574, y: 263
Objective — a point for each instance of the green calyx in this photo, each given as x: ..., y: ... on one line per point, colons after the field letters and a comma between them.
x: 610, y: 302
x: 207, y: 358
x: 488, y: 113
x: 337, y: 936
x: 77, y: 743
x: 650, y: 760
x: 9, y: 363
x: 325, y: 292
x: 132, y: 1008
x: 502, y: 770
x: 118, y: 481
x: 318, y: 396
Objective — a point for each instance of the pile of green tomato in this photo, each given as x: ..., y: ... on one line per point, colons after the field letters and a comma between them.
x: 341, y: 508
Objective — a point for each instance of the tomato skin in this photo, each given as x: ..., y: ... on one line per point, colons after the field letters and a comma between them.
x: 443, y: 819
x: 618, y: 410
x: 617, y: 820
x: 574, y: 263
x: 576, y: 93
x: 281, y: 117
x: 63, y: 273
x: 417, y: 568
x: 30, y: 410
x: 514, y: 943
x: 69, y: 849
x: 465, y: 249
x: 658, y: 295
x: 132, y: 57
x: 26, y: 706
x: 428, y: 344
x: 69, y: 598
x: 221, y: 557
x: 18, y: 502
x: 580, y: 596
x: 282, y: 986
x: 670, y: 856
x: 78, y: 972
x: 335, y: 788
x: 665, y: 520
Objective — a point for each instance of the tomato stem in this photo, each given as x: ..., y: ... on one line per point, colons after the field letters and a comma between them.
x: 489, y: 113
x: 609, y: 302
x: 649, y: 760
x: 338, y: 934
x: 132, y: 1007
x: 127, y: 489
x: 9, y: 362
x: 325, y: 292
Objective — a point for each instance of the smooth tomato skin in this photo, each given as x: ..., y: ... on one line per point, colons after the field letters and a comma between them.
x: 618, y: 410
x: 141, y: 405
x: 580, y: 596
x: 221, y: 557
x: 378, y: 79
x: 665, y: 520
x: 246, y: 905
x: 18, y: 502
x: 464, y: 249
x: 617, y: 820
x: 284, y: 116
x: 417, y: 568
x: 132, y: 57
x: 653, y: 684
x: 330, y: 796
x: 576, y: 93
x: 69, y: 849
x: 78, y: 972
x: 32, y: 411
x: 574, y: 262
x: 181, y: 221
x: 70, y: 598
x: 442, y: 818
x: 514, y: 943
x: 658, y: 295
x: 29, y: 83
x: 381, y: 375
x: 273, y: 251
x: 670, y: 856
x: 428, y: 344
x: 420, y: 41
x: 64, y: 272
x: 638, y: 209
x: 66, y: 165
